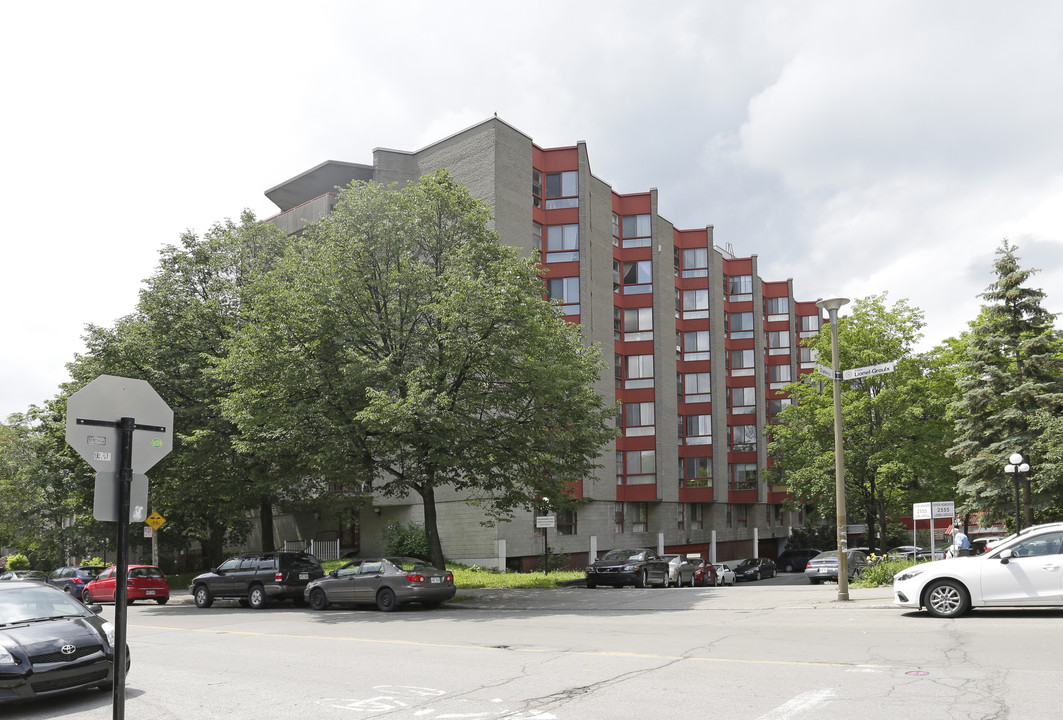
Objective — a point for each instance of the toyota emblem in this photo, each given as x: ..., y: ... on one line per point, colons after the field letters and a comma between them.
x: 68, y: 649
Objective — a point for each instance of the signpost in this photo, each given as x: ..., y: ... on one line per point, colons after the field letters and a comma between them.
x: 154, y: 521
x: 930, y: 511
x: 544, y: 522
x: 869, y: 370
x: 121, y: 427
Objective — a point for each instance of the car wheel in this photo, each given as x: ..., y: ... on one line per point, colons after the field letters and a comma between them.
x: 129, y: 601
x: 946, y: 599
x: 203, y: 596
x: 162, y: 601
x: 691, y: 579
x: 86, y: 598
x: 256, y: 597
x: 757, y: 576
x: 318, y: 599
x: 591, y: 584
x: 788, y: 567
x: 640, y: 580
x: 385, y: 600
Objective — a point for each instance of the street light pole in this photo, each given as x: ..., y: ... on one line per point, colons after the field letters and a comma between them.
x: 832, y: 306
x: 1015, y: 467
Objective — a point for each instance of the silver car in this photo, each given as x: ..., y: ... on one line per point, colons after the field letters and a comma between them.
x: 825, y: 566
x: 680, y: 571
x: 386, y: 582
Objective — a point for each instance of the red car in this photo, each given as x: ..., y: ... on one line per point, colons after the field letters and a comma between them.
x: 704, y: 574
x: 146, y: 582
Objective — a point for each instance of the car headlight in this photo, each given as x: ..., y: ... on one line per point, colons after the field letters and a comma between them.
x: 6, y: 658
x: 906, y: 575
x: 630, y: 568
x: 108, y: 630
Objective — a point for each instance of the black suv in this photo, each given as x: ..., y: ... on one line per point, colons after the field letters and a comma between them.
x: 796, y: 559
x: 257, y: 578
x: 72, y: 579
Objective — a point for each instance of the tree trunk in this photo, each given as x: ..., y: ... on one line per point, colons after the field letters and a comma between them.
x: 265, y: 516
x: 431, y: 528
x: 213, y: 547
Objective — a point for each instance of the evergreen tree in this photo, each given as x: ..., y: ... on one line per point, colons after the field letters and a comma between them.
x: 1013, y: 374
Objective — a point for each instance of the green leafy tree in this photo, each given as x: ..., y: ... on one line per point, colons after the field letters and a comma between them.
x: 402, y: 347
x: 1012, y: 376
x: 894, y: 424
x: 187, y: 312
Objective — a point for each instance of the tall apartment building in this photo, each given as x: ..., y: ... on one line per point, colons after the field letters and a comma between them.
x: 696, y: 343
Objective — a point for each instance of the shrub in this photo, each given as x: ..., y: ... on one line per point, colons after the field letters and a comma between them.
x: 409, y: 540
x: 18, y: 561
x: 95, y: 562
x: 881, y: 572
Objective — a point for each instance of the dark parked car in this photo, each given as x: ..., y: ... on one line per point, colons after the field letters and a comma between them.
x: 50, y: 643
x: 705, y: 574
x: 387, y: 582
x: 628, y: 566
x: 73, y: 578
x: 755, y: 569
x: 825, y: 566
x: 796, y: 559
x: 24, y: 575
x: 258, y: 578
x: 145, y: 582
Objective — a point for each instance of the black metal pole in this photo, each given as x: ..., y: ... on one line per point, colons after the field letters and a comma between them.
x: 125, y: 480
x: 1018, y: 509
x: 546, y: 554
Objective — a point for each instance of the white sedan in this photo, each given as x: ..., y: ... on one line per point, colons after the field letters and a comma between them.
x: 725, y: 575
x: 1023, y: 570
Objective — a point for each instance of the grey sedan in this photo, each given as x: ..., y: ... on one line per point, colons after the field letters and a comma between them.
x: 825, y: 566
x: 386, y: 582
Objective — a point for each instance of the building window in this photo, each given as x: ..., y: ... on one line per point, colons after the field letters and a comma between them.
x: 562, y: 190
x: 640, y: 467
x: 696, y: 345
x: 740, y: 325
x: 566, y: 292
x: 809, y: 325
x: 778, y: 308
x: 636, y: 231
x: 698, y: 429
x: 635, y: 323
x: 730, y: 516
x: 695, y: 262
x: 743, y: 400
x: 616, y: 228
x: 741, y: 362
x: 778, y: 375
x: 695, y: 304
x: 697, y: 516
x: 744, y: 476
x: 566, y: 522
x: 638, y: 372
x: 775, y: 406
x: 680, y: 516
x: 638, y: 419
x: 640, y: 517
x: 807, y: 356
x: 697, y: 472
x: 741, y: 516
x: 562, y: 243
x: 779, y: 517
x: 740, y: 288
x: 638, y: 277
x: 697, y: 387
x: 537, y: 188
x: 779, y: 342
x: 618, y: 517
x: 743, y: 438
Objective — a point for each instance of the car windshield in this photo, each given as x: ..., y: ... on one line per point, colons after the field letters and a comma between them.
x: 615, y: 555
x: 829, y: 555
x: 748, y: 562
x: 37, y: 602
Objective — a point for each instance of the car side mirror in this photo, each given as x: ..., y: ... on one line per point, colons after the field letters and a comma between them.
x: 333, y: 573
x: 216, y: 571
x: 1006, y: 556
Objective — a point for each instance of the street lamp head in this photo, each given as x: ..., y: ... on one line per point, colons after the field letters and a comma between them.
x: 832, y: 303
x: 1015, y: 459
x: 1024, y: 468
x: 1010, y: 469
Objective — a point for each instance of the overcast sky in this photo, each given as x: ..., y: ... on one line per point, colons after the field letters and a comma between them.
x: 857, y: 147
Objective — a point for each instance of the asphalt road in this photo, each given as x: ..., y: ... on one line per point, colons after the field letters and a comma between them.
x: 775, y: 650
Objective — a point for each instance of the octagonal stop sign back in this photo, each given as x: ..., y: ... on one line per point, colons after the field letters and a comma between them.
x: 93, y: 420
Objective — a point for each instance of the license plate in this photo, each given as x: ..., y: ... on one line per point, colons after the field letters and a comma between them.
x: 823, y: 570
x: 304, y: 576
x: 149, y: 592
x: 435, y: 579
